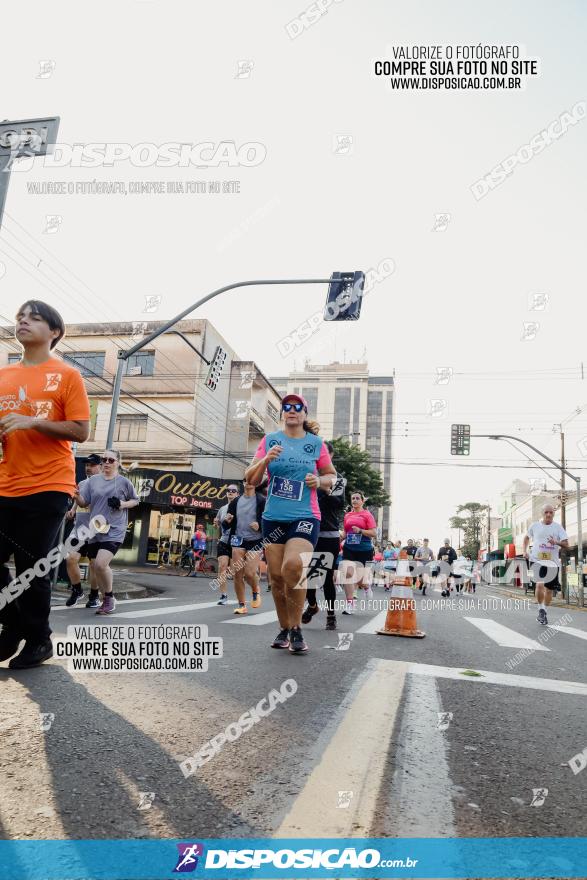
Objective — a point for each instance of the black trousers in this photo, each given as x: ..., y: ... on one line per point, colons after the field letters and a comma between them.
x: 322, y: 567
x: 29, y: 525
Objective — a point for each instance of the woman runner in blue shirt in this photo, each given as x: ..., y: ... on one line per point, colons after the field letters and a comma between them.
x: 297, y: 463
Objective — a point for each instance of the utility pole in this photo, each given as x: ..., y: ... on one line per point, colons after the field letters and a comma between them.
x: 577, y: 480
x: 488, y: 529
x: 563, y: 513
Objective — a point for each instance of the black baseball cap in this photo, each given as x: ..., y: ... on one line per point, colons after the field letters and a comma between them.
x: 93, y: 458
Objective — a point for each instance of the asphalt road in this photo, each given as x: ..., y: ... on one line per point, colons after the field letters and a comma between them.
x: 383, y: 736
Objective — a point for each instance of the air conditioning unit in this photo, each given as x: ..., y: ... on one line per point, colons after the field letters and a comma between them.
x: 134, y: 371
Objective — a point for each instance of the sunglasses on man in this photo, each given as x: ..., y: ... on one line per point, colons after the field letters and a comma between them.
x: 296, y: 407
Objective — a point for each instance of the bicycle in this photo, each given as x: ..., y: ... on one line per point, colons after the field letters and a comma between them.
x: 203, y: 564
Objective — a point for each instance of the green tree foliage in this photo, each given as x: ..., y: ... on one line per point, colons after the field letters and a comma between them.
x: 471, y: 525
x: 355, y: 464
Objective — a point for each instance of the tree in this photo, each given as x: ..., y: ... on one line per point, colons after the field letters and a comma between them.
x: 355, y: 464
x: 471, y: 526
x: 459, y: 523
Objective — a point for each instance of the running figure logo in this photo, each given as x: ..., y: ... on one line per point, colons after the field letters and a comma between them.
x: 46, y: 719
x: 539, y: 795
x: 52, y: 381
x: 187, y: 861
x: 444, y: 719
x: 344, y: 641
x: 146, y: 799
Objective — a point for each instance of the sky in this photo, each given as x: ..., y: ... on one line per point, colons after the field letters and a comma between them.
x: 466, y: 272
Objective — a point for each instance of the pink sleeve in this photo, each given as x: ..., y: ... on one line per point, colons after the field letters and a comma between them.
x: 324, y: 460
x: 261, y: 449
x: 371, y: 524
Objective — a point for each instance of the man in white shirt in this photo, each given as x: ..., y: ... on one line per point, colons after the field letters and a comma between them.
x: 423, y: 555
x: 547, y: 538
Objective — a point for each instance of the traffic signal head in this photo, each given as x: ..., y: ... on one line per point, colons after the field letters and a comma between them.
x: 345, y: 294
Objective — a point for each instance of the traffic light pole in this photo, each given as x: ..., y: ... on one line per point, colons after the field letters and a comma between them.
x: 577, y: 480
x: 124, y: 354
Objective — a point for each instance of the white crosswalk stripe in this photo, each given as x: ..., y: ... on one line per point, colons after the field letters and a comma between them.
x: 254, y: 619
x: 118, y: 602
x: 570, y: 630
x: 374, y: 624
x: 503, y: 636
x: 177, y: 609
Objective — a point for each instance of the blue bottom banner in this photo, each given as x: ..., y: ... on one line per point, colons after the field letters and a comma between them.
x: 509, y: 857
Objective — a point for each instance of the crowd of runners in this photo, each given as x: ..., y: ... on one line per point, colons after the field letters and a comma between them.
x: 294, y: 514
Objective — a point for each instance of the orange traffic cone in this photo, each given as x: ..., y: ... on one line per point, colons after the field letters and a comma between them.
x: 402, y: 575
x: 401, y: 616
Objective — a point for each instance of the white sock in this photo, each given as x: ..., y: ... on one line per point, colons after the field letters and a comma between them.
x: 542, y: 606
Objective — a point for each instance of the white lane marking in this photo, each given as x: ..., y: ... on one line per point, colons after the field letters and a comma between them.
x: 255, y: 619
x: 420, y: 802
x: 177, y: 609
x: 374, y: 624
x: 486, y: 677
x: 571, y: 630
x: 502, y: 635
x: 354, y: 761
x: 118, y: 602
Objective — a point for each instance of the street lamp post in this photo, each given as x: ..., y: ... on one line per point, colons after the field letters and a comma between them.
x: 578, y: 495
x: 124, y: 354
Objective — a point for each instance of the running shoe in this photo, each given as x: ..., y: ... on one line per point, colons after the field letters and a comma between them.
x: 368, y: 593
x: 76, y: 593
x: 297, y: 644
x: 108, y: 605
x: 241, y: 609
x: 350, y: 606
x: 256, y: 603
x: 223, y: 599
x: 330, y: 621
x: 281, y: 640
x: 93, y: 602
x: 33, y: 654
x: 542, y: 617
x: 9, y: 643
x: 309, y: 613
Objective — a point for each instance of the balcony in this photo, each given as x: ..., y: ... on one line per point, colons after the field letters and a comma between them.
x: 256, y: 422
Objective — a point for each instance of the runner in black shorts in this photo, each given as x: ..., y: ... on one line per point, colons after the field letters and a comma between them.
x: 297, y: 463
x: 547, y: 538
x: 243, y: 521
x: 360, y: 528
x: 109, y: 495
x: 82, y: 518
x: 224, y: 550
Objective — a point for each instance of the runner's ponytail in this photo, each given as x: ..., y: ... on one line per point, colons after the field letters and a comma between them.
x: 311, y: 426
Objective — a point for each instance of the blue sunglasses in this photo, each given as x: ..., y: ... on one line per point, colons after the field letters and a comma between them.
x: 297, y: 407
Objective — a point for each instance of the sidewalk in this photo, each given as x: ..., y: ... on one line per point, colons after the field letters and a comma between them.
x: 518, y: 593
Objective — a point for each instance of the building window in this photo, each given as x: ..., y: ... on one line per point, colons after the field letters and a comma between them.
x: 141, y: 364
x: 131, y: 429
x: 272, y: 412
x: 311, y: 395
x: 374, y: 422
x: 342, y: 413
x: 13, y: 358
x: 89, y: 363
x: 356, y: 414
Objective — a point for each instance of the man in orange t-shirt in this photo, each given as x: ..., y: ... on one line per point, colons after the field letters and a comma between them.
x: 43, y: 408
